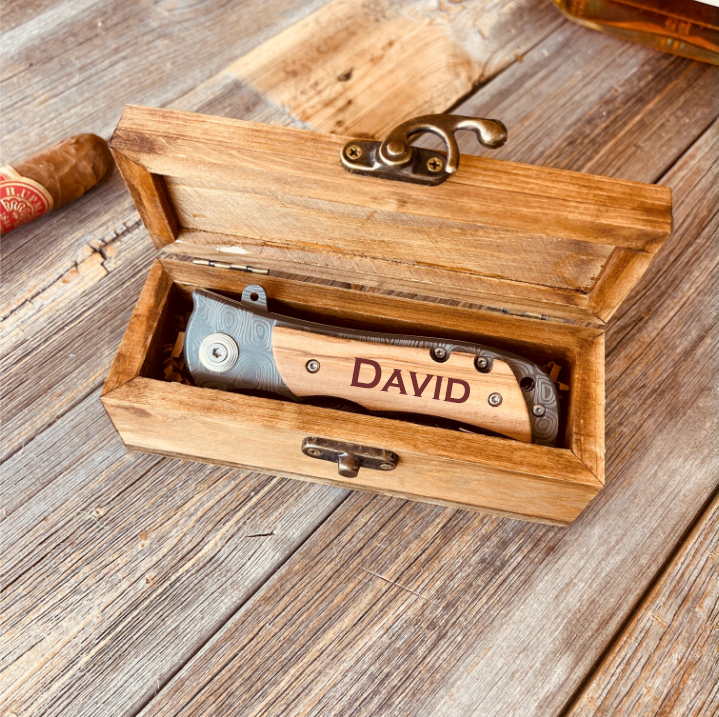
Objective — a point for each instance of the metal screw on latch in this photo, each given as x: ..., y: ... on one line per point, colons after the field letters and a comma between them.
x: 539, y: 410
x: 314, y: 452
x: 354, y: 152
x: 386, y: 467
x: 494, y: 399
x: 313, y: 365
x: 439, y: 353
x: 435, y: 164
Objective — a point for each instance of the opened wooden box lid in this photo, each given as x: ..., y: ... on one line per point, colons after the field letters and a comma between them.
x: 508, y: 235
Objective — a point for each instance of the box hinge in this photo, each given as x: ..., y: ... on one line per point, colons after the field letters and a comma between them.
x: 234, y: 267
x: 525, y: 314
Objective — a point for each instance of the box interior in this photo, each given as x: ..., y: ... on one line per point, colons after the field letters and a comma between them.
x: 230, y: 284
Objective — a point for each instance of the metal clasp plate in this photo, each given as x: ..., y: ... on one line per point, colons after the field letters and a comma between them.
x: 350, y: 457
x: 397, y: 159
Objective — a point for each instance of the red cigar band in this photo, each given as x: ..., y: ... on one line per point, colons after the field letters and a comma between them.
x: 21, y: 200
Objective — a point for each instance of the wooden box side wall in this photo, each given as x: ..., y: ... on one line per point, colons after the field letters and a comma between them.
x: 149, y: 193
x: 139, y: 343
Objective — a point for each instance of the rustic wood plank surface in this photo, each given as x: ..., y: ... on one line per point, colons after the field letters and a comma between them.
x: 666, y: 661
x: 114, y: 538
x: 101, y: 611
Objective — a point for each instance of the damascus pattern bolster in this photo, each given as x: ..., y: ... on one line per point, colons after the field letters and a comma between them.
x: 255, y: 368
x: 250, y: 324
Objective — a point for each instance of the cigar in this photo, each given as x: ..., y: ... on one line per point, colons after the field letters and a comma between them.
x: 52, y: 178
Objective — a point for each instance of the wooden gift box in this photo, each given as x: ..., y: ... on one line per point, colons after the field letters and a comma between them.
x: 561, y: 248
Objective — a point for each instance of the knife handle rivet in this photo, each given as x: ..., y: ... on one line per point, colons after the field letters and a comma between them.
x: 483, y: 364
x: 439, y: 353
x: 313, y: 365
x: 494, y: 399
x: 539, y: 410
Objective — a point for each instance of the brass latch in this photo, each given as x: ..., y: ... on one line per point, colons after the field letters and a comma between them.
x: 350, y: 457
x: 397, y: 159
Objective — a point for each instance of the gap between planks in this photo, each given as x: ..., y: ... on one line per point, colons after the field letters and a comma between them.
x: 653, y: 588
x: 170, y: 675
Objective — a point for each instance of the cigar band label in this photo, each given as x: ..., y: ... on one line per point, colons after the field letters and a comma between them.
x: 21, y: 199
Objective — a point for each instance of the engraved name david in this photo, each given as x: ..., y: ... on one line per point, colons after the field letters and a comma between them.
x: 452, y: 387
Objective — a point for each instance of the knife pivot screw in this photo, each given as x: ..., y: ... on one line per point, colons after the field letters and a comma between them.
x: 218, y: 352
x: 539, y: 410
x: 482, y: 364
x: 313, y: 365
x: 494, y: 399
x: 435, y: 164
x: 354, y: 152
x: 439, y: 353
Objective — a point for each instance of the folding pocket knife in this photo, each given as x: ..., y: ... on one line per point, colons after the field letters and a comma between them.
x: 241, y: 346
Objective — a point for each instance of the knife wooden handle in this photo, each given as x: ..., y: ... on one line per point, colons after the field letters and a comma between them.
x: 387, y: 377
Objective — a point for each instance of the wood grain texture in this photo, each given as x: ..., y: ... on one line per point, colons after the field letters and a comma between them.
x: 391, y: 277
x: 586, y: 428
x: 53, y: 260
x: 111, y: 79
x: 56, y: 369
x: 396, y: 314
x: 87, y: 263
x: 437, y: 465
x: 614, y: 108
x: 104, y: 538
x: 149, y: 193
x: 407, y: 380
x: 665, y: 660
x: 118, y: 52
x: 84, y: 265
x: 591, y: 103
x: 250, y: 154
x: 132, y: 57
x: 579, y: 349
x: 286, y: 187
x: 143, y: 327
x: 379, y: 587
x: 448, y: 468
x: 346, y: 67
x: 64, y: 265
x: 658, y: 458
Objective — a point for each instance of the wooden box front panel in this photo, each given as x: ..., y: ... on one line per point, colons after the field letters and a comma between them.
x: 436, y: 465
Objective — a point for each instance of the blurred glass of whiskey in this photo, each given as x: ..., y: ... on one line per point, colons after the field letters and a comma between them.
x: 689, y: 28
